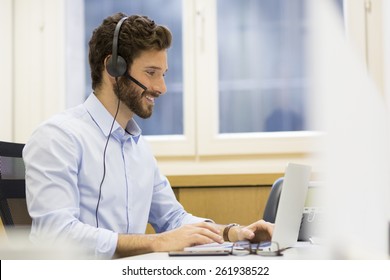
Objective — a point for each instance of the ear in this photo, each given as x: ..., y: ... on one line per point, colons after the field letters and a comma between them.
x: 105, y: 71
x: 106, y: 61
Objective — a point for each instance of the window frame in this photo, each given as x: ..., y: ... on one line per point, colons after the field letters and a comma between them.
x: 209, y: 141
x: 182, y: 145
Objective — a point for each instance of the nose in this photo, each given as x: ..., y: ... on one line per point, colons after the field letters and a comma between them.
x: 160, y: 86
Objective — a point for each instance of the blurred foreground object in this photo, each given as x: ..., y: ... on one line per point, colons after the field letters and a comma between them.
x: 15, y: 245
x: 354, y: 153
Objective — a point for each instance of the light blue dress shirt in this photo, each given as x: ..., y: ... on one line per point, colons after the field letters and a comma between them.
x: 64, y: 169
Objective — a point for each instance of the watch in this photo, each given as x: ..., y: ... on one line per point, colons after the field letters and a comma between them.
x: 226, y: 231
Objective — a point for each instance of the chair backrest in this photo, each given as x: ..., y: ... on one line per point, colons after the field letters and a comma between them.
x: 13, y: 208
x: 311, y: 217
x: 271, y: 208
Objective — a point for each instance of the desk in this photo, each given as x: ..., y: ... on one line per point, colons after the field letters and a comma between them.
x: 302, y: 251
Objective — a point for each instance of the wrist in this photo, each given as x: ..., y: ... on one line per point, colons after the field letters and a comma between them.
x: 133, y: 244
x: 234, y: 234
x: 157, y: 242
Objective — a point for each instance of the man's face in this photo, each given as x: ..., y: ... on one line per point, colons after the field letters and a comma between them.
x: 149, y: 69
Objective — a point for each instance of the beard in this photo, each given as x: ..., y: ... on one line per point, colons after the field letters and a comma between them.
x: 132, y: 96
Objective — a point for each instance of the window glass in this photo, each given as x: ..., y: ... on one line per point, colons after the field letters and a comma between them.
x: 262, y: 75
x: 167, y: 117
x: 262, y: 54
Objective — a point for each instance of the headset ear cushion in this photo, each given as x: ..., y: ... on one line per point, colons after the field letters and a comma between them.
x: 118, y: 69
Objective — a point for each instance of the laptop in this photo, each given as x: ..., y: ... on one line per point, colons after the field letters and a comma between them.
x: 291, y: 205
x: 287, y: 221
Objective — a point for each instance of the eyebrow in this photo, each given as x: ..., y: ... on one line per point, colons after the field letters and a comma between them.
x: 156, y: 68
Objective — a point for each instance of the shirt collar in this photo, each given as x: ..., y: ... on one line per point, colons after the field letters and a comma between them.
x: 133, y: 128
x: 103, y: 119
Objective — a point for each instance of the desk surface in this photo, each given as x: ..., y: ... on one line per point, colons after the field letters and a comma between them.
x: 302, y: 251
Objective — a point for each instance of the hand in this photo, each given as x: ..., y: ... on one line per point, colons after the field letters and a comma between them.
x: 257, y: 232
x: 188, y: 235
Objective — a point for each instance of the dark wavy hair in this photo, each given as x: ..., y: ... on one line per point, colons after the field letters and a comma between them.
x: 137, y: 34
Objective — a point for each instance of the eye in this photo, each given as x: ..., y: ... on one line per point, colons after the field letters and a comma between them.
x: 151, y: 73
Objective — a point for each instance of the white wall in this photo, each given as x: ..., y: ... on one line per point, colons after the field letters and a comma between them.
x: 41, y: 65
x: 6, y: 71
x: 39, y: 80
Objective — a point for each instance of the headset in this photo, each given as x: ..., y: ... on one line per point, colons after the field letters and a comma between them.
x: 116, y: 65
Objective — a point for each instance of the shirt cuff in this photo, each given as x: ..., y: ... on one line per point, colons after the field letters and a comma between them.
x: 106, y: 244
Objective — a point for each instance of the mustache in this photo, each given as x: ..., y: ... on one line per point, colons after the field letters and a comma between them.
x: 151, y: 93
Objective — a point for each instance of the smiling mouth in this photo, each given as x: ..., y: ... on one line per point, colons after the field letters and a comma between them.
x: 150, y: 96
x: 150, y: 99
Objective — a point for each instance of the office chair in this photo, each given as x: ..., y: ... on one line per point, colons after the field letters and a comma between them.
x: 13, y: 208
x: 312, y: 213
x: 271, y: 208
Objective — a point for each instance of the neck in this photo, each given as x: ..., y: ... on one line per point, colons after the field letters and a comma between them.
x: 110, y: 102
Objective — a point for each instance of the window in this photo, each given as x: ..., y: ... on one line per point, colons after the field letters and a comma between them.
x: 262, y: 58
x: 237, y: 81
x: 38, y: 86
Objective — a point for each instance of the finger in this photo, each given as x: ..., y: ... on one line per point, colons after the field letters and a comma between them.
x: 261, y: 226
x: 215, y: 237
x: 210, y: 226
x: 245, y: 233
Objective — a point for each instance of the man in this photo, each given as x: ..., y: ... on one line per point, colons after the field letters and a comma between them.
x: 90, y: 175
